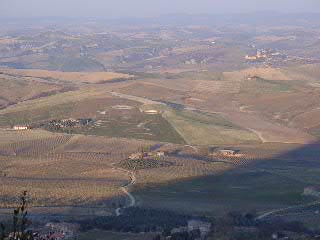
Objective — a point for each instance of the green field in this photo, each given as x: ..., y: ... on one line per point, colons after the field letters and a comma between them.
x: 35, y: 115
x: 264, y: 86
x: 116, y: 123
x: 206, y: 129
x: 140, y: 126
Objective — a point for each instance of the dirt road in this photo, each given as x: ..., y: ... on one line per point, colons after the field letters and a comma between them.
x: 124, y: 189
x: 292, y: 208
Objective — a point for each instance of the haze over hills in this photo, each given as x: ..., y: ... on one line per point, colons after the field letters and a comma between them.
x: 184, y: 126
x: 145, y: 8
x: 264, y: 18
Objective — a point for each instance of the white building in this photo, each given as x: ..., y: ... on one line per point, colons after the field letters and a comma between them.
x: 202, y: 226
x: 152, y: 112
x: 312, y: 191
x: 20, y: 127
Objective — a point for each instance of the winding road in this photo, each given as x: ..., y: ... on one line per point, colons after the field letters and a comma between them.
x: 124, y: 189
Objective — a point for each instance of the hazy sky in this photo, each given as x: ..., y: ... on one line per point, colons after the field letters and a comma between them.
x: 141, y: 8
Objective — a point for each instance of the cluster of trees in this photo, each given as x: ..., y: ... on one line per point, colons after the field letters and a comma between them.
x: 137, y: 220
x: 137, y: 164
x: 239, y: 226
x: 234, y: 226
x: 63, y: 125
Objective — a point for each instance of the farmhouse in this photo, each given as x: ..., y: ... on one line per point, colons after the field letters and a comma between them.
x: 250, y: 77
x: 202, y: 226
x: 160, y: 154
x: 152, y: 112
x: 251, y: 58
x: 260, y: 54
x: 69, y: 120
x: 228, y: 152
x: 135, y: 156
x: 20, y: 127
x: 146, y: 155
x: 312, y: 191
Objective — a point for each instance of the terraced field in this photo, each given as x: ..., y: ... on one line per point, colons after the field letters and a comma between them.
x: 253, y: 182
x: 63, y: 172
x: 59, y: 172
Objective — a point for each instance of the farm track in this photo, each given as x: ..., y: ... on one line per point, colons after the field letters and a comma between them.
x: 124, y: 189
x: 287, y: 210
x: 135, y: 98
x: 259, y: 134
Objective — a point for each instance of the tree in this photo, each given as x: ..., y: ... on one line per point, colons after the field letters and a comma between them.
x: 2, y: 233
x: 20, y: 222
x: 157, y: 237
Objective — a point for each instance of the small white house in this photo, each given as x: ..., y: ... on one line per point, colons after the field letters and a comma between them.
x: 202, y: 226
x: 160, y: 154
x: 151, y: 112
x: 20, y: 127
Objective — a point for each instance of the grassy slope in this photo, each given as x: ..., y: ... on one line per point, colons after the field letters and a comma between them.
x: 245, y: 190
x: 261, y: 86
x: 85, y: 104
x: 159, y: 128
x: 206, y: 129
x: 271, y: 182
x: 76, y: 77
